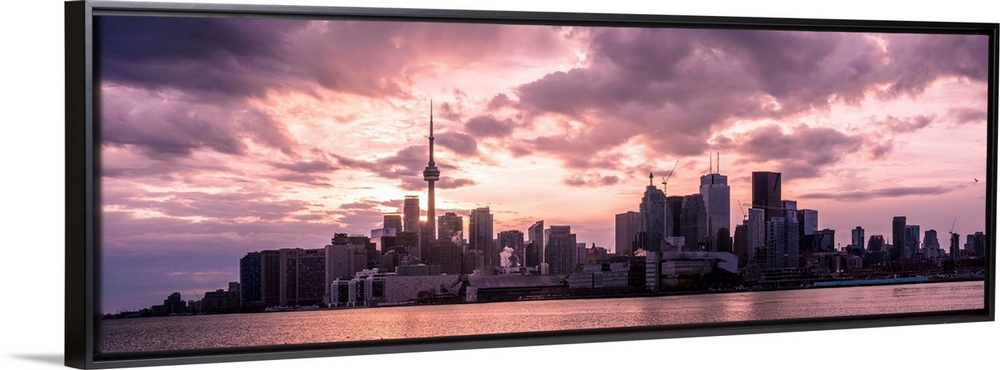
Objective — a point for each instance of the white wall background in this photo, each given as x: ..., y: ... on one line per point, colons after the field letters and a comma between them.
x: 31, y: 217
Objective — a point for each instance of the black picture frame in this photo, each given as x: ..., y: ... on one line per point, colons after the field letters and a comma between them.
x: 82, y: 213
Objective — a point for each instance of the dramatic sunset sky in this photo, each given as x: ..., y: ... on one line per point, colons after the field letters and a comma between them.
x: 225, y: 136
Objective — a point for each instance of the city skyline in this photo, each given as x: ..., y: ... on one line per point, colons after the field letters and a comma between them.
x: 201, y: 164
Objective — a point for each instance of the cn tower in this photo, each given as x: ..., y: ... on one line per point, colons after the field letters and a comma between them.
x: 431, y: 174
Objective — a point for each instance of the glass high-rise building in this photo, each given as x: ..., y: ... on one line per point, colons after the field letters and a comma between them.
x: 411, y: 213
x: 626, y: 227
x: 714, y: 192
x: 766, y: 193
x: 653, y: 216
x: 481, y: 235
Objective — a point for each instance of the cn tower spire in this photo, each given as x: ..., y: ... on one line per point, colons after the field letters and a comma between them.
x: 431, y: 174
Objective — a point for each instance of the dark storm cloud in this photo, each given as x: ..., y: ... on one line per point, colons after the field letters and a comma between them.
x: 673, y: 88
x: 164, y: 129
x: 209, y: 56
x: 803, y: 152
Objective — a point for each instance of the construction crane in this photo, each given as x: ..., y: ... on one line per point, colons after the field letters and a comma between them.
x: 667, y: 178
x: 744, y: 212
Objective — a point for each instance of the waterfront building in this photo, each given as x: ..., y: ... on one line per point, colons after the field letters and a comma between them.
x: 222, y: 301
x: 532, y: 254
x: 481, y: 236
x: 740, y: 242
x: 270, y: 277
x: 824, y: 240
x: 714, y: 192
x: 876, y: 243
x: 250, y: 278
x: 766, y: 193
x: 653, y: 216
x: 346, y: 255
x: 626, y: 228
x: 302, y: 276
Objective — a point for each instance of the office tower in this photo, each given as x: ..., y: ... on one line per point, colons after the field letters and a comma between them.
x: 931, y: 244
x: 675, y: 204
x: 858, y: 237
x: 302, y: 274
x: 447, y: 254
x: 766, y: 193
x: 410, y: 242
x: 756, y: 233
x: 450, y: 228
x: 270, y: 277
x: 876, y: 243
x: 384, y: 238
x: 481, y: 236
x: 740, y: 242
x: 393, y: 221
x: 979, y: 244
x: 898, y: 238
x: 714, y: 192
x: 953, y: 248
x: 513, y: 239
x: 808, y: 221
x: 824, y: 240
x: 782, y: 245
x: 653, y: 216
x: 911, y: 235
x: 694, y: 225
x: 425, y: 237
x: 346, y: 255
x: 626, y: 226
x: 560, y: 250
x: 250, y: 270
x: 532, y: 254
x: 536, y: 235
x: 411, y: 213
x: 431, y: 174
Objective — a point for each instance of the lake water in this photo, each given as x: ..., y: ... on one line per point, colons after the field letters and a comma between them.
x: 237, y: 330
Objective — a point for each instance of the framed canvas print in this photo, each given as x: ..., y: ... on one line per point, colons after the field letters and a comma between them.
x: 259, y: 182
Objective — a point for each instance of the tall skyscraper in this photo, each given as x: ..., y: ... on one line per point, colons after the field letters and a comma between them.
x: 931, y: 244
x: 675, y: 203
x: 513, y: 239
x: 766, y: 193
x: 714, y: 192
x: 536, y: 235
x: 560, y: 250
x: 250, y: 271
x: 626, y: 226
x: 431, y: 174
x: 450, y: 228
x: 481, y: 235
x: 858, y: 237
x: 912, y: 241
x: 782, y: 249
x: 808, y: 221
x: 393, y: 221
x: 653, y: 216
x: 411, y: 213
x: 953, y: 248
x: 756, y: 233
x: 898, y: 238
x: 694, y: 225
